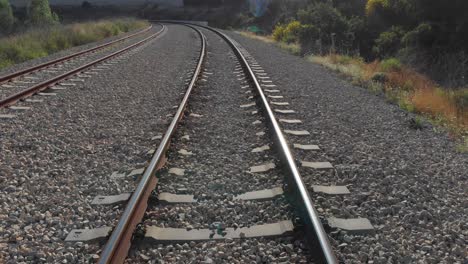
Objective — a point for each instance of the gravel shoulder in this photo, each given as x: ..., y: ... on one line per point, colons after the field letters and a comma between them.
x: 411, y: 184
x: 57, y: 156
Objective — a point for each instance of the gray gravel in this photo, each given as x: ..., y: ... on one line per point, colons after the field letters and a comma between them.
x: 57, y: 156
x: 222, y: 136
x: 282, y: 250
x: 411, y: 184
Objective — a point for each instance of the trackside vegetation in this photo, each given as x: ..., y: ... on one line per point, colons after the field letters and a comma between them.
x: 413, y: 51
x: 7, y: 19
x: 40, y: 42
x: 402, y: 85
x: 40, y: 32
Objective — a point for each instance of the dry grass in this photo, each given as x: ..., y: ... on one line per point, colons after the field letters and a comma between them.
x: 41, y: 42
x: 292, y: 48
x: 265, y: 38
x: 410, y: 89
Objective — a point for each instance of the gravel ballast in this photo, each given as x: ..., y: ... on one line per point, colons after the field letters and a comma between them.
x: 57, y: 156
x: 221, y: 137
x: 411, y: 184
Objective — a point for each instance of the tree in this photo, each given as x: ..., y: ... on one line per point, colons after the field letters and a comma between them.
x: 40, y: 14
x: 327, y: 19
x: 6, y: 17
x: 86, y: 5
x: 388, y: 43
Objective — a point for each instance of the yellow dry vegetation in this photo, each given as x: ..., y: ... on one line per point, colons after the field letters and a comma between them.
x: 411, y: 90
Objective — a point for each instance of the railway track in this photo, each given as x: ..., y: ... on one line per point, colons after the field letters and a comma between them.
x: 65, y: 71
x: 223, y: 185
x: 271, y: 191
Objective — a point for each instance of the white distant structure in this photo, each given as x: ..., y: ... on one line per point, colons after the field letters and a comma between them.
x: 166, y: 3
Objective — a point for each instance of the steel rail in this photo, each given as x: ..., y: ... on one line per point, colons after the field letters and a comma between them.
x: 315, y: 231
x: 116, y: 248
x: 9, y: 77
x: 46, y: 84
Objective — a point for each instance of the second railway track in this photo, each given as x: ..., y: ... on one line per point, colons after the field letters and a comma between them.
x: 66, y: 70
x: 223, y: 184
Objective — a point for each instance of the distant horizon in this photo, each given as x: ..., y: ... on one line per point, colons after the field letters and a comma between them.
x: 176, y: 3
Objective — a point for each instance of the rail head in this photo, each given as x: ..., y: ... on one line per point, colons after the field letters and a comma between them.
x: 309, y: 214
x: 116, y: 248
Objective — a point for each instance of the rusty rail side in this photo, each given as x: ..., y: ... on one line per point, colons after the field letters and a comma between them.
x: 116, y: 248
x: 9, y: 77
x: 46, y: 84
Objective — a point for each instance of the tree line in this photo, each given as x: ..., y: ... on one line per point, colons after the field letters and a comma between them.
x: 432, y: 35
x: 38, y: 14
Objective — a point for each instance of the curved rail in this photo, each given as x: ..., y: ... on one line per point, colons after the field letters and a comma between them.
x: 315, y: 232
x: 118, y: 244
x: 9, y: 77
x: 44, y: 85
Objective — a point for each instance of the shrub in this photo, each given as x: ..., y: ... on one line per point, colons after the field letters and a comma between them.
x: 278, y: 32
x: 307, y: 35
x: 6, y: 17
x: 291, y: 32
x: 379, y: 77
x: 288, y: 33
x: 412, y: 91
x: 324, y: 16
x: 86, y: 5
x: 40, y: 14
x: 373, y: 5
x: 416, y: 123
x: 421, y: 35
x: 388, y: 42
x: 391, y: 64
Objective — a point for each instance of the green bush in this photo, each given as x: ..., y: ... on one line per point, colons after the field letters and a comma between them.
x: 291, y: 32
x: 421, y: 35
x: 307, y: 37
x: 278, y: 32
x: 288, y: 33
x: 391, y: 64
x: 325, y: 17
x: 388, y: 42
x: 39, y: 13
x: 6, y: 17
x: 373, y: 5
x: 379, y: 77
